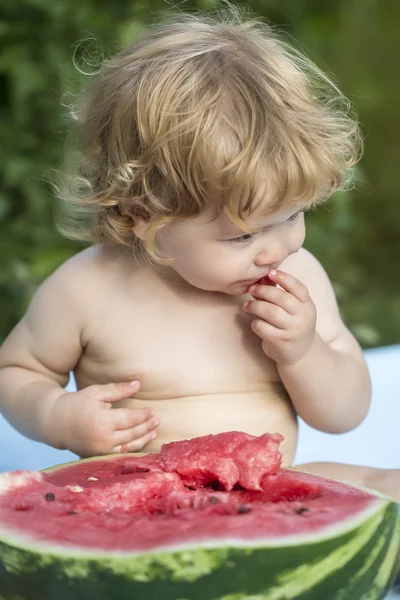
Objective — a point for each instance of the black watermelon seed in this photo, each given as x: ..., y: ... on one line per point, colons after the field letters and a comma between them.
x: 213, y: 500
x: 243, y: 508
x: 49, y: 497
x: 72, y: 512
x: 301, y: 510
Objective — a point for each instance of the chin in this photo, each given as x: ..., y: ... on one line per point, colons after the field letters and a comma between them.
x: 238, y: 289
x: 230, y: 289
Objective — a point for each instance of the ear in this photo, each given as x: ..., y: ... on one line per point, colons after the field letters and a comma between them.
x: 141, y: 217
x: 140, y: 227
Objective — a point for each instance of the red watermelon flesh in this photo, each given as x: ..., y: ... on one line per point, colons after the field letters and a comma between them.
x: 134, y: 503
x: 237, y: 458
x: 266, y: 281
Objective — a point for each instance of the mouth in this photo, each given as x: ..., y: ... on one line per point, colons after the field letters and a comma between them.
x: 261, y: 281
x: 249, y: 281
x: 264, y: 280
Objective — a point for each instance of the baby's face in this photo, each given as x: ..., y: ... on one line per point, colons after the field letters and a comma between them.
x: 218, y: 256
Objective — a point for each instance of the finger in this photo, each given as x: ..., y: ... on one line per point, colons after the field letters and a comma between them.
x: 270, y: 313
x: 135, y: 445
x: 276, y: 296
x: 134, y: 433
x: 126, y: 418
x: 112, y: 392
x: 290, y: 284
x: 265, y: 330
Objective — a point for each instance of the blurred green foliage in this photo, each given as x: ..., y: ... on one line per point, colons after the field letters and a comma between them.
x: 357, y: 235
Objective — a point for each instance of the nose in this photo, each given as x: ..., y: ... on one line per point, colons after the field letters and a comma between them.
x: 266, y: 260
x: 278, y: 244
x: 272, y: 255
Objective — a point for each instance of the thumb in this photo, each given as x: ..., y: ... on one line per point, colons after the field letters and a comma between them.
x: 112, y: 392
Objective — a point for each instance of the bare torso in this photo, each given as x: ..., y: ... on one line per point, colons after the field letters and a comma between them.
x: 200, y: 365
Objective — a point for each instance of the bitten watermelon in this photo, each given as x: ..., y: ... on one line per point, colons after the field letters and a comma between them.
x: 214, y: 518
x: 266, y: 281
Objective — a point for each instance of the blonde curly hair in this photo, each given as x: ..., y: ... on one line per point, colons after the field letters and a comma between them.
x: 195, y: 116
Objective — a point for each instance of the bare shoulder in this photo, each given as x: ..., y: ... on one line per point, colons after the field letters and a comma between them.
x: 306, y: 267
x: 52, y: 335
x: 83, y: 273
x: 83, y: 266
x: 69, y: 281
x: 79, y: 288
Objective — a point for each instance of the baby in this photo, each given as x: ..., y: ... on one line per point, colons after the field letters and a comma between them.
x: 202, y: 145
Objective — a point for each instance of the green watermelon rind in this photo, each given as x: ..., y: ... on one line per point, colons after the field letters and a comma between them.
x: 357, y: 559
x: 313, y: 571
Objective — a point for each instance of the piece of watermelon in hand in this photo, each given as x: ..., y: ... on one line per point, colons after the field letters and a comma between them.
x: 266, y: 281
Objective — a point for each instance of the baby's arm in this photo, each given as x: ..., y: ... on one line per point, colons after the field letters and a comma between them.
x: 319, y: 361
x: 37, y: 356
x: 35, y: 361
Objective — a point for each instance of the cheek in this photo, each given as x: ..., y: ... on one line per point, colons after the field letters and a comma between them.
x: 198, y: 266
x: 298, y: 237
x: 210, y: 269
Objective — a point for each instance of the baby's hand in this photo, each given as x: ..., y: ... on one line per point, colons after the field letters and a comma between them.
x: 286, y: 317
x: 88, y: 425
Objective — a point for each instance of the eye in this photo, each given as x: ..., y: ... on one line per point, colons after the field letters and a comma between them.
x: 242, y: 238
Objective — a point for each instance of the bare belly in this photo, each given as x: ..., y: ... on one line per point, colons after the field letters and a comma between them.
x: 268, y: 411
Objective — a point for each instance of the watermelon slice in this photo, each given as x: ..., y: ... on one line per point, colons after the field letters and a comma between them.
x: 214, y: 518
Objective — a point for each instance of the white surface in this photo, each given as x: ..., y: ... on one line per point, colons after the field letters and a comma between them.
x: 376, y: 442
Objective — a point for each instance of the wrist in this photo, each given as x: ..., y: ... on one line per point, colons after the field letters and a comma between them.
x: 305, y: 358
x: 56, y: 424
